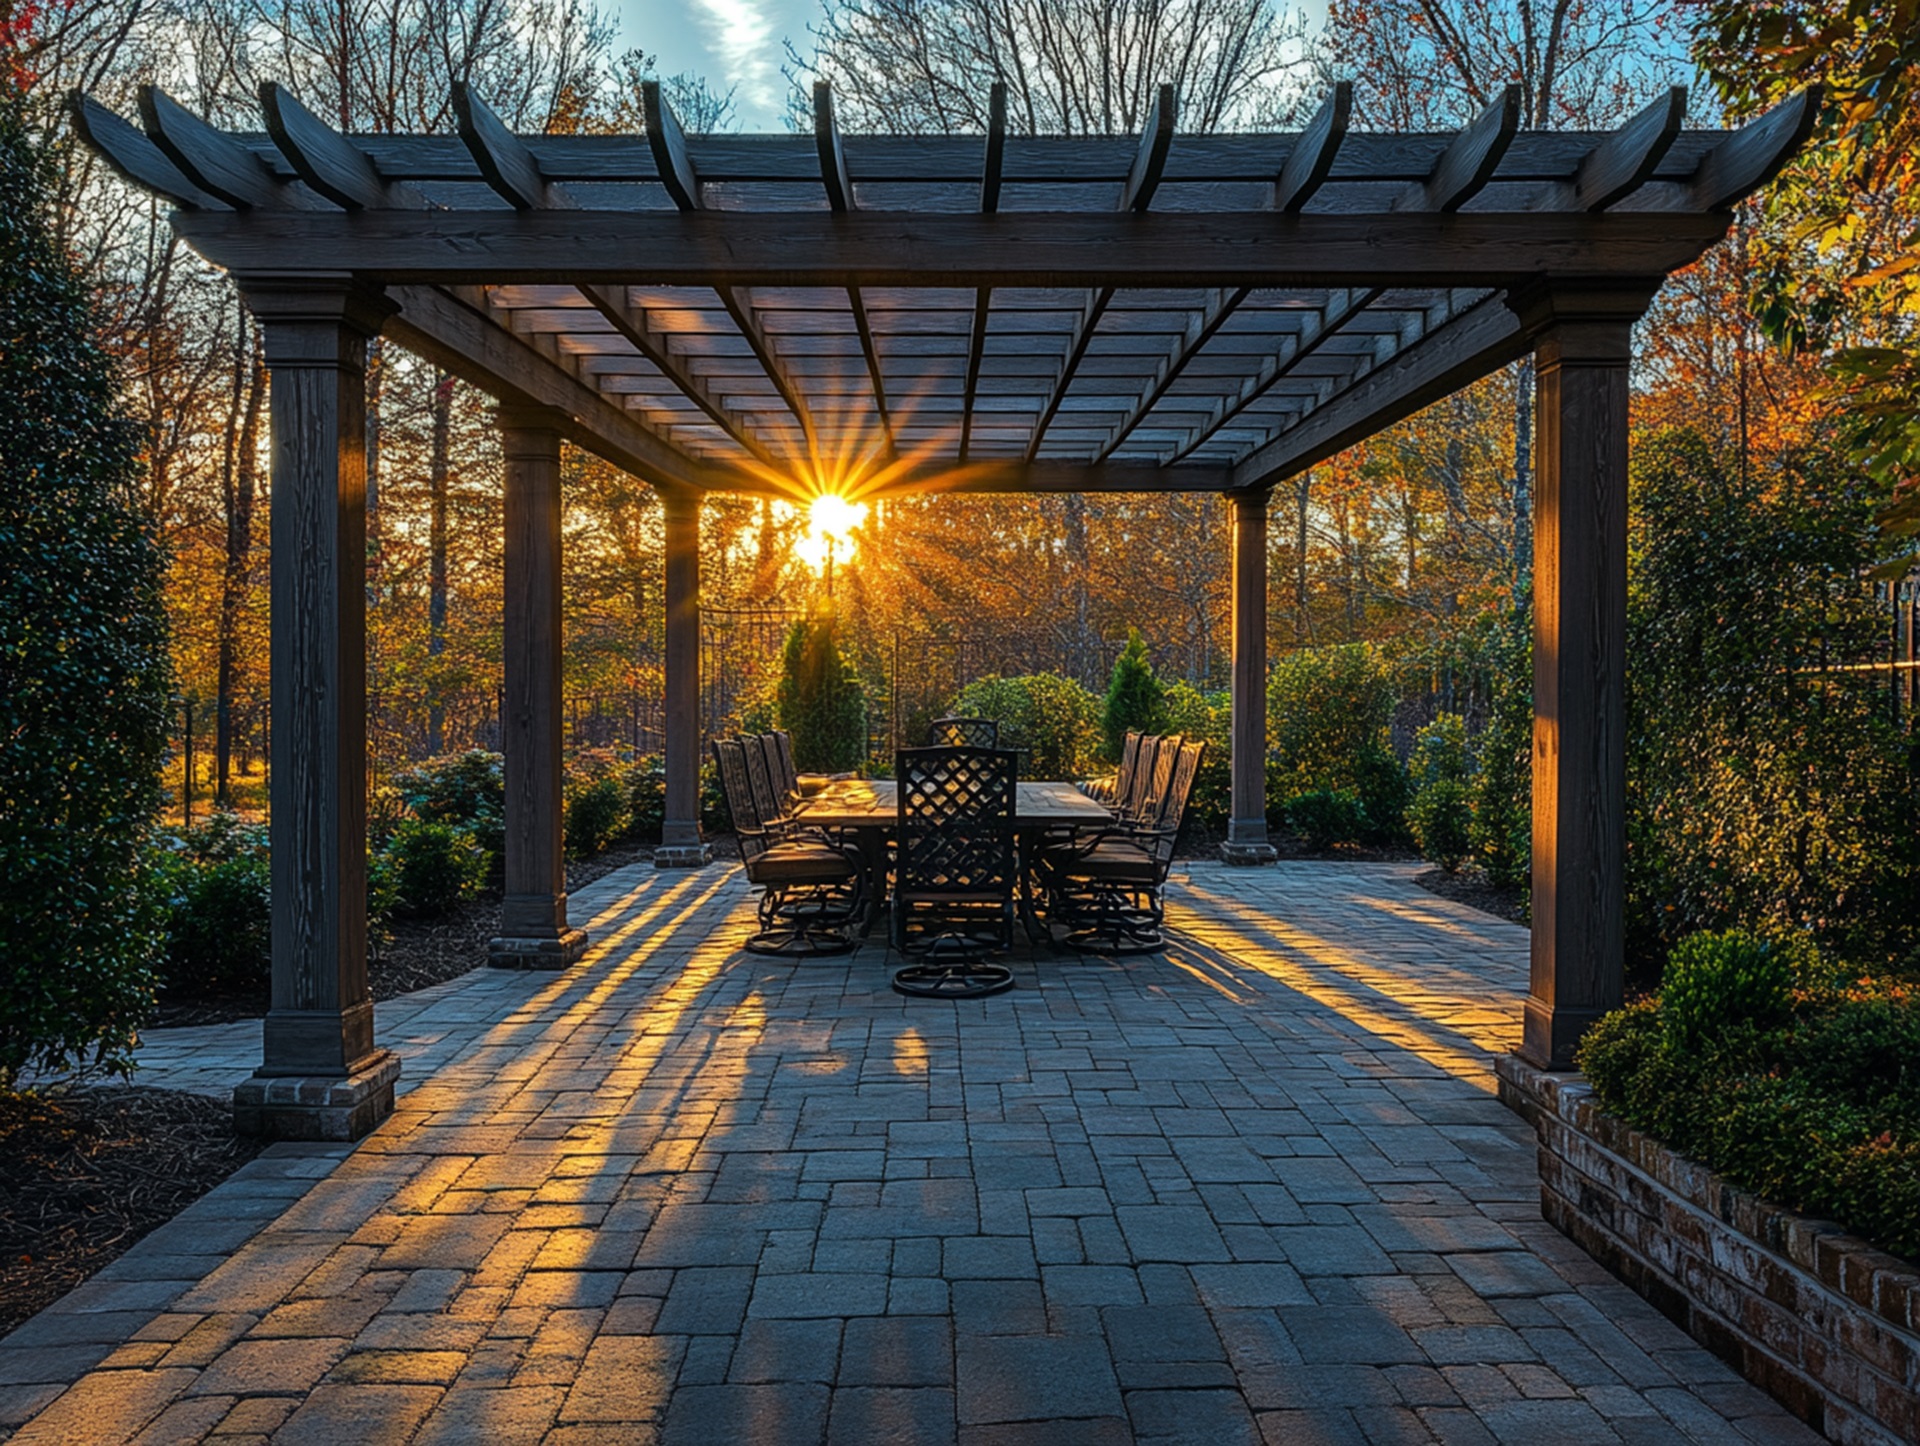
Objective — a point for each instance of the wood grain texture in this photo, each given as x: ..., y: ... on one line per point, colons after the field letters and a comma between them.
x: 1247, y: 822
x: 681, y: 828
x: 1150, y: 164
x: 214, y: 160
x: 505, y: 162
x: 535, y: 898
x: 1627, y: 159
x: 738, y: 248
x: 134, y: 157
x: 1579, y: 682
x: 1311, y: 160
x: 327, y: 161
x: 321, y: 1020
x: 1469, y: 162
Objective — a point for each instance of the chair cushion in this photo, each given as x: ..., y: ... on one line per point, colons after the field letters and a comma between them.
x: 1114, y: 859
x: 799, y: 863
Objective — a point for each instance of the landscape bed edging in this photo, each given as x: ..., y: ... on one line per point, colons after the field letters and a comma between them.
x: 1827, y: 1324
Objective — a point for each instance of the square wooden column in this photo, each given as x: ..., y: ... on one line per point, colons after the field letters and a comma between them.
x: 321, y: 1077
x: 1247, y: 824
x: 534, y: 933
x: 1583, y: 345
x: 680, y: 844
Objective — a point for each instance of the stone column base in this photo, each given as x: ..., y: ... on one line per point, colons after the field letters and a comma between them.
x: 309, y: 1107
x: 682, y: 856
x: 551, y: 951
x: 1246, y: 855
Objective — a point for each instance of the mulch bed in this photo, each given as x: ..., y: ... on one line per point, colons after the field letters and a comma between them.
x: 1470, y: 887
x: 85, y: 1173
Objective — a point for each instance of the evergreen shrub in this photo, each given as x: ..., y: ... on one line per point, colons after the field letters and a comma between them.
x: 820, y: 700
x: 1135, y: 699
x: 432, y: 867
x: 1328, y: 713
x: 84, y: 667
x: 1767, y: 1063
x: 1053, y: 717
x: 1328, y: 816
x: 1196, y: 716
x: 1440, y: 815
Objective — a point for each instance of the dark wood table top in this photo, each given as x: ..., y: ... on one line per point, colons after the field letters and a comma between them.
x: 871, y: 803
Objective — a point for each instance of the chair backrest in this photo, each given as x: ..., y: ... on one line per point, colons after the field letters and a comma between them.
x: 768, y: 800
x: 1128, y: 793
x: 730, y: 756
x: 1129, y: 763
x: 1152, y: 795
x: 785, y: 774
x: 956, y: 811
x: 965, y: 733
x: 1173, y: 808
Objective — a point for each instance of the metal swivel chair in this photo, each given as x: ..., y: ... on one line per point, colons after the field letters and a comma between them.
x: 955, y: 871
x: 964, y: 733
x: 1110, y: 889
x: 811, y: 893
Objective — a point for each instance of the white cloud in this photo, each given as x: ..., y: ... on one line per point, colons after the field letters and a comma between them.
x: 741, y: 35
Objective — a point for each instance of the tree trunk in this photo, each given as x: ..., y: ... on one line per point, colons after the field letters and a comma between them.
x: 1081, y: 647
x: 1302, y: 624
x: 236, y: 579
x: 1522, y: 481
x: 437, y: 470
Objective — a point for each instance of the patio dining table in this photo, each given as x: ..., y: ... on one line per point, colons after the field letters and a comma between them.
x: 869, y: 808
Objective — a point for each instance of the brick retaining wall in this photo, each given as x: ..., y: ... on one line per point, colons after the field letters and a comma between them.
x: 1818, y: 1317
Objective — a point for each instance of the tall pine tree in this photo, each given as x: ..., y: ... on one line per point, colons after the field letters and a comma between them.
x: 1135, y: 700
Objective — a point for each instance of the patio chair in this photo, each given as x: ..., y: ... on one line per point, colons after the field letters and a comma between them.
x: 955, y: 871
x: 811, y: 893
x: 964, y: 733
x: 795, y: 784
x: 1110, y: 889
x: 772, y: 802
x: 1152, y: 777
x: 1116, y: 784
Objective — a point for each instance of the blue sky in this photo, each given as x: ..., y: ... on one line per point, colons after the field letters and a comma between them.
x: 731, y: 42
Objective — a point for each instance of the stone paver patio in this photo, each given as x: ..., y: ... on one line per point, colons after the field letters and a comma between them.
x: 1256, y: 1189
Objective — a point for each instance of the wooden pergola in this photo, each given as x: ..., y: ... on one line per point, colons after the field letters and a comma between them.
x: 887, y: 315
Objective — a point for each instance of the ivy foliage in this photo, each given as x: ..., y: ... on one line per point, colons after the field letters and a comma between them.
x: 1054, y: 718
x: 1768, y: 785
x: 1135, y: 700
x: 820, y: 701
x: 84, y: 670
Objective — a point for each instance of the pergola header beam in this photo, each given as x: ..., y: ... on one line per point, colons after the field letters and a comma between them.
x: 892, y: 248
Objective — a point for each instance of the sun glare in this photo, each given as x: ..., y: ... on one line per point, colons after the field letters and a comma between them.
x: 831, y: 521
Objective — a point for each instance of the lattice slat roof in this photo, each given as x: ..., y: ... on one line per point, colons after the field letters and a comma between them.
x: 995, y: 312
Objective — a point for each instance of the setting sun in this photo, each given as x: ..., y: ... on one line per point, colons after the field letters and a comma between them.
x: 831, y: 521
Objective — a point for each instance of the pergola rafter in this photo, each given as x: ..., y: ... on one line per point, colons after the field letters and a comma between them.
x: 890, y: 315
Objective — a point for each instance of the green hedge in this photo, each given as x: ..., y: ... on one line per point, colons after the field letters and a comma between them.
x: 1053, y: 716
x: 1767, y: 1064
x: 1328, y: 711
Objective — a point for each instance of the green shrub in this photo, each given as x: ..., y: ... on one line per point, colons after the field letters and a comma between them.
x: 1054, y: 717
x: 1327, y: 817
x: 1761, y: 1062
x: 1135, y: 700
x: 1441, y: 821
x: 434, y: 867
x: 465, y: 790
x: 1502, y: 794
x: 1716, y: 983
x: 84, y: 666
x: 219, y: 923
x: 1328, y: 711
x: 820, y: 701
x: 1205, y: 716
x: 647, y: 798
x: 598, y: 812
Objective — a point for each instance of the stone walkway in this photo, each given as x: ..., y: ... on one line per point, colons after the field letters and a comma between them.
x: 1256, y: 1189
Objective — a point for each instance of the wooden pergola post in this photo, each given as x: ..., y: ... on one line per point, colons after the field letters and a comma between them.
x: 321, y: 1075
x: 1583, y: 346
x: 680, y: 843
x: 1247, y: 823
x: 534, y: 933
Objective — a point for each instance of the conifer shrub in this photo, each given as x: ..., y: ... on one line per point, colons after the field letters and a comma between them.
x: 820, y: 700
x: 84, y: 666
x: 1135, y: 701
